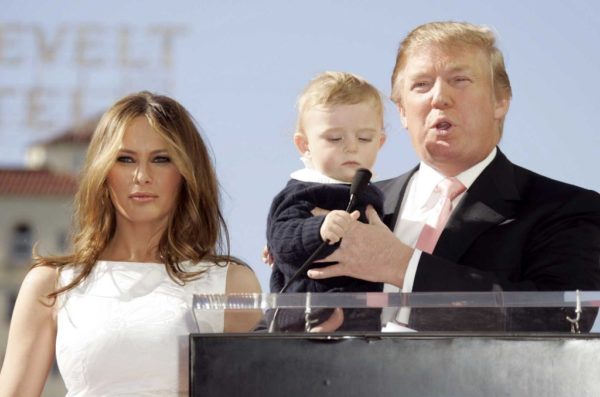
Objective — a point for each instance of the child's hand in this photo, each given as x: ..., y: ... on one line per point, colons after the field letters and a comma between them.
x: 335, y: 225
x: 267, y: 258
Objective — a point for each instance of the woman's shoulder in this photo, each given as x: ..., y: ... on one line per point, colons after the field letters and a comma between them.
x: 41, y: 278
x: 39, y: 282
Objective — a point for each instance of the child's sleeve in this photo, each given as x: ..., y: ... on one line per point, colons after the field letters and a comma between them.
x: 293, y: 233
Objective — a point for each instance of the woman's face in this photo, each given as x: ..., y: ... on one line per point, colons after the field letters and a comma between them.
x: 143, y: 183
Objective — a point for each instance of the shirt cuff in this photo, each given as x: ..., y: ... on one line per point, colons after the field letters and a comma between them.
x: 411, y: 271
x: 409, y: 278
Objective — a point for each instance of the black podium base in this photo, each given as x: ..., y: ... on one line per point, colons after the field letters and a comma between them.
x: 394, y: 365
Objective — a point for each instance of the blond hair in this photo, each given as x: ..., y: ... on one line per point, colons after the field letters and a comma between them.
x: 337, y: 88
x: 449, y: 35
x: 195, y: 229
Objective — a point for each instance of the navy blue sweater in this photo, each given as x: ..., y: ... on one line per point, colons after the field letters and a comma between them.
x: 293, y: 233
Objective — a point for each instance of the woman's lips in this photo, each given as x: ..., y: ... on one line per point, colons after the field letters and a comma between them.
x: 143, y: 197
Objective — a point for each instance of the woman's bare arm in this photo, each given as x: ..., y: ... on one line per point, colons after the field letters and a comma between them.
x: 241, y: 279
x: 32, y: 337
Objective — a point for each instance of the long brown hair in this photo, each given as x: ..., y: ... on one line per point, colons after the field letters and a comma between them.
x: 196, y: 229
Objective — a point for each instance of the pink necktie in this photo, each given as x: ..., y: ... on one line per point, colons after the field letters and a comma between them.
x: 448, y: 189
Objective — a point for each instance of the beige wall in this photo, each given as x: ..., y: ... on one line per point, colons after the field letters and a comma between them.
x: 58, y: 157
x: 49, y: 219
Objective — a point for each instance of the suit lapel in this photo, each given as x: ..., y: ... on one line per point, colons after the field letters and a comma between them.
x: 490, y: 200
x: 393, y: 190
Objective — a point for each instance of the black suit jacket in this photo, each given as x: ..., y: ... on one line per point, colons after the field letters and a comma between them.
x: 514, y: 230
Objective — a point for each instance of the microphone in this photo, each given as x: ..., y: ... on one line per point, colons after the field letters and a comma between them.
x: 359, y: 182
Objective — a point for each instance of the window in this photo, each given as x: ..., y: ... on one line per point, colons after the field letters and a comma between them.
x: 10, y: 304
x: 22, y: 243
x: 62, y: 241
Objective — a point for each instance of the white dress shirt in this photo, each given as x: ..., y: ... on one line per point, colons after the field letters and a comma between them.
x: 418, y: 201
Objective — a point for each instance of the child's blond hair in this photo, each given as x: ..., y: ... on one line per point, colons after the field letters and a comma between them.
x: 337, y: 88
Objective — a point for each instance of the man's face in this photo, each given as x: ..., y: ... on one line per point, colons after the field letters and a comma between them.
x: 449, y: 107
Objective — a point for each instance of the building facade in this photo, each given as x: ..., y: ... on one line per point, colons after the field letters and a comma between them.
x: 36, y: 211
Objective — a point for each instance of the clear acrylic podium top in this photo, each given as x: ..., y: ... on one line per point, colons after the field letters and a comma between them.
x: 495, y: 312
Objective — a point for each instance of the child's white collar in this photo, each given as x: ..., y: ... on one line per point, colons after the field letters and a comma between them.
x: 309, y: 174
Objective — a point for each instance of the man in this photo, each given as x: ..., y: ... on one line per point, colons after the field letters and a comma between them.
x: 507, y: 229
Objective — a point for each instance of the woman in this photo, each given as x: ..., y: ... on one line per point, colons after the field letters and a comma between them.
x: 118, y: 309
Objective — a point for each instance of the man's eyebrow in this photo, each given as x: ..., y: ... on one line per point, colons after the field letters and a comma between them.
x: 459, y: 68
x: 451, y: 69
x: 417, y: 75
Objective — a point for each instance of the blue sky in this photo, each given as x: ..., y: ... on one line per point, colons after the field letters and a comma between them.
x: 239, y: 66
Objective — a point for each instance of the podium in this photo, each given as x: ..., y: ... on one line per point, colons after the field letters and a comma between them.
x: 498, y: 358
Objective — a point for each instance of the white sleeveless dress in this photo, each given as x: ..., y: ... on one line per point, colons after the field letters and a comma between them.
x: 124, y: 331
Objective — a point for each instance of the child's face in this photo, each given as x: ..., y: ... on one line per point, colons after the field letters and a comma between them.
x: 340, y: 139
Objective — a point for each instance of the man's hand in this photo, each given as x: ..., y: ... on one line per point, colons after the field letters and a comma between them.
x: 368, y: 252
x: 336, y: 223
